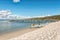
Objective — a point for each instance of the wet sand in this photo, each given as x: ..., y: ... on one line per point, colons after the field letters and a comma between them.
x: 15, y: 33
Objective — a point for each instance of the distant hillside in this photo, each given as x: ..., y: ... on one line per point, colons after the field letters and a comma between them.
x: 55, y: 17
x: 39, y: 19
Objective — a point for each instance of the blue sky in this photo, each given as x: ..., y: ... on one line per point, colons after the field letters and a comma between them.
x: 32, y: 7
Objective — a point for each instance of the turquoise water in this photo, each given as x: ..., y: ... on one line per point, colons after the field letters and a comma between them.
x: 6, y: 26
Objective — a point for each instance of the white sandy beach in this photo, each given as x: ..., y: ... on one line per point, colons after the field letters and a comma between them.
x: 49, y: 32
x: 15, y: 33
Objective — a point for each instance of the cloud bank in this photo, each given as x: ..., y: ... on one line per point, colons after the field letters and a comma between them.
x: 7, y: 14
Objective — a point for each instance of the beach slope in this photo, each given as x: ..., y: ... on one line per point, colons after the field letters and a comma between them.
x: 49, y: 32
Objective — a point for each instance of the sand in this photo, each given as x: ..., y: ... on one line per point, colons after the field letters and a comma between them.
x: 49, y: 32
x: 15, y: 33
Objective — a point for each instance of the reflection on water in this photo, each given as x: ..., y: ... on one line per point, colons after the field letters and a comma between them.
x: 6, y: 26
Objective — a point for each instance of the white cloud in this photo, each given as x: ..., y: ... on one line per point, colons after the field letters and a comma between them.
x: 16, y: 1
x: 7, y: 14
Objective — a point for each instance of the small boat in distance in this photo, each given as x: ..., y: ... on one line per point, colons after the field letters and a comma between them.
x: 36, y: 25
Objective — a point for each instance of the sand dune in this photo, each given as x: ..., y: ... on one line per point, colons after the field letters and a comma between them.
x: 49, y: 32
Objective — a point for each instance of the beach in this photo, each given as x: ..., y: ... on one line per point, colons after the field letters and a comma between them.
x: 16, y: 33
x: 48, y: 32
x: 29, y: 19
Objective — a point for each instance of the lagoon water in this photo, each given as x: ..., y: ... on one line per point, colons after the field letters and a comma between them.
x: 6, y: 26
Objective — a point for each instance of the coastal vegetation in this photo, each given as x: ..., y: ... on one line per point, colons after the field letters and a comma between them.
x: 39, y: 19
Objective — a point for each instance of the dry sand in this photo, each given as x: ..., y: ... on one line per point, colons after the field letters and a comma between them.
x: 49, y: 32
x: 15, y: 33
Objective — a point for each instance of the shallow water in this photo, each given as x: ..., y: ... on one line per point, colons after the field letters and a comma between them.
x: 6, y: 26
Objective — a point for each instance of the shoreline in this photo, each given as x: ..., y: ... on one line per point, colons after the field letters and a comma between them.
x: 48, y: 32
x: 16, y: 33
